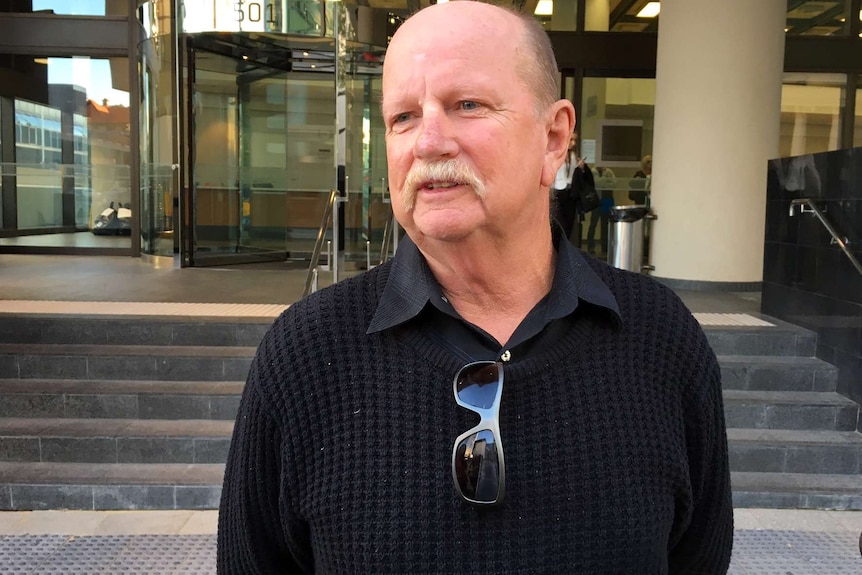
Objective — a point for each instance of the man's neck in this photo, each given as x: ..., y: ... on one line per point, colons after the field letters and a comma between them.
x: 494, y: 285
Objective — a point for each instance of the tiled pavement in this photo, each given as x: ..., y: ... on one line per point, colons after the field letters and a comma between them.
x: 766, y: 542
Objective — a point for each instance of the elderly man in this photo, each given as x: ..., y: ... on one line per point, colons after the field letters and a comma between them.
x: 372, y: 431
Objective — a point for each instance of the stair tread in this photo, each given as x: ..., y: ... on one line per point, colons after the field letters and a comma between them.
x: 99, y: 350
x: 91, y: 428
x: 808, y: 482
x: 787, y: 397
x: 112, y: 473
x: 799, y: 437
x: 119, y: 386
x: 780, y: 360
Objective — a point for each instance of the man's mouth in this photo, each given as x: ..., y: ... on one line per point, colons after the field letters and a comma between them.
x: 440, y: 185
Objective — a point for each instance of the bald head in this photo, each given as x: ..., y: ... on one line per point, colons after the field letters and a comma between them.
x: 501, y: 28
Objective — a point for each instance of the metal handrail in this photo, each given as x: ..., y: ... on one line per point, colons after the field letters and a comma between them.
x: 387, y: 239
x: 318, y: 244
x: 836, y: 239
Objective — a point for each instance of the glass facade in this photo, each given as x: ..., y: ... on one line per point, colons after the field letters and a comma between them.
x: 557, y: 15
x: 82, y: 7
x: 816, y: 18
x: 857, y: 125
x: 158, y: 130
x: 68, y: 173
x: 812, y: 110
x: 621, y: 16
x: 237, y: 119
x: 615, y: 131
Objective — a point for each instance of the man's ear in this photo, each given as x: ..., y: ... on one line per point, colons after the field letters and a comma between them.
x: 561, y: 124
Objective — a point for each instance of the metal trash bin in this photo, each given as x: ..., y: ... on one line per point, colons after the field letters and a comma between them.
x: 626, y: 241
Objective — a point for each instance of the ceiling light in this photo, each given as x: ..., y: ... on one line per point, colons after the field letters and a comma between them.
x: 651, y: 10
x: 544, y: 8
x: 244, y: 57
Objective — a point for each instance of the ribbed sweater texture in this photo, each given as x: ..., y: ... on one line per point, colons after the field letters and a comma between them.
x: 614, y: 442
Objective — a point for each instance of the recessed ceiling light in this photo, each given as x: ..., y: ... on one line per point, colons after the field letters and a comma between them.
x: 544, y: 8
x: 651, y: 10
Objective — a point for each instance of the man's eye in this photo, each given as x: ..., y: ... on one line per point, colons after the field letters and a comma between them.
x: 401, y: 118
x: 469, y: 105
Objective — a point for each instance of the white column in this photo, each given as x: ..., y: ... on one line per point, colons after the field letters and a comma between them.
x: 717, y: 117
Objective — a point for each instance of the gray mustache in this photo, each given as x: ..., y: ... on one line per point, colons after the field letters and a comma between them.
x: 446, y: 171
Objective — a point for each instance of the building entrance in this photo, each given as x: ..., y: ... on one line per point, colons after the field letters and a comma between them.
x: 262, y: 157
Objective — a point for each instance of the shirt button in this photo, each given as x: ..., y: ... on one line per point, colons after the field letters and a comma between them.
x: 507, y: 355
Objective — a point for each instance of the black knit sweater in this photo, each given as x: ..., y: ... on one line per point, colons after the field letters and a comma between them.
x: 616, y: 456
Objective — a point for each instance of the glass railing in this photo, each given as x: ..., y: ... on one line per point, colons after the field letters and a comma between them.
x: 157, y: 210
x: 67, y: 205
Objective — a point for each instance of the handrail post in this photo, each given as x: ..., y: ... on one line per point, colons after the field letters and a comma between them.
x: 311, y: 277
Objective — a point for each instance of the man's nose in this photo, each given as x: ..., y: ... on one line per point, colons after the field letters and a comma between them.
x: 436, y: 138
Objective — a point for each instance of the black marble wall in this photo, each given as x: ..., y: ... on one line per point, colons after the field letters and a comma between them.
x: 806, y: 280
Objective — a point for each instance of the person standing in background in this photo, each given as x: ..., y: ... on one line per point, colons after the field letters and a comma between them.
x: 640, y: 183
x: 571, y: 180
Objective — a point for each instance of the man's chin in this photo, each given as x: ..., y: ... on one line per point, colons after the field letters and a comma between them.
x: 444, y: 230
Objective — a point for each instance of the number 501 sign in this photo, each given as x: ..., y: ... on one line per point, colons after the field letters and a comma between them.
x: 230, y: 15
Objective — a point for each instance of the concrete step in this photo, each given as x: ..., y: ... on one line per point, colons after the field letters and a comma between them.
x: 103, y: 486
x: 114, y: 440
x: 138, y: 362
x: 799, y: 410
x: 797, y: 491
x: 119, y: 399
x: 776, y: 373
x: 791, y: 451
x: 133, y: 330
x: 130, y: 399
x: 782, y: 340
x: 28, y: 486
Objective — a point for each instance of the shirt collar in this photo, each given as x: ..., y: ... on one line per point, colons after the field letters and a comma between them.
x: 411, y: 285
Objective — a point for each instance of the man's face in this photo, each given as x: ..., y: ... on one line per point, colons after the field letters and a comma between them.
x: 451, y: 94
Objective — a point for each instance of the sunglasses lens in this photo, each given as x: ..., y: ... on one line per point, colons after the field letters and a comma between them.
x: 477, y: 467
x: 477, y: 384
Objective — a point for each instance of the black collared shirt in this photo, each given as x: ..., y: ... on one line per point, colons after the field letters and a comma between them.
x: 413, y: 298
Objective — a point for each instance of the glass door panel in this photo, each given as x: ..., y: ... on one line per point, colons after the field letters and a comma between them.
x: 367, y: 211
x: 216, y: 156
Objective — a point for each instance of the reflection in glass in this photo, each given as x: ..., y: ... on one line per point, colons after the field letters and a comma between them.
x: 812, y: 106
x: 557, y: 15
x: 857, y: 125
x: 615, y: 139
x: 83, y: 7
x: 71, y: 153
x: 816, y: 18
x: 157, y: 124
x: 477, y: 467
x: 614, y: 16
